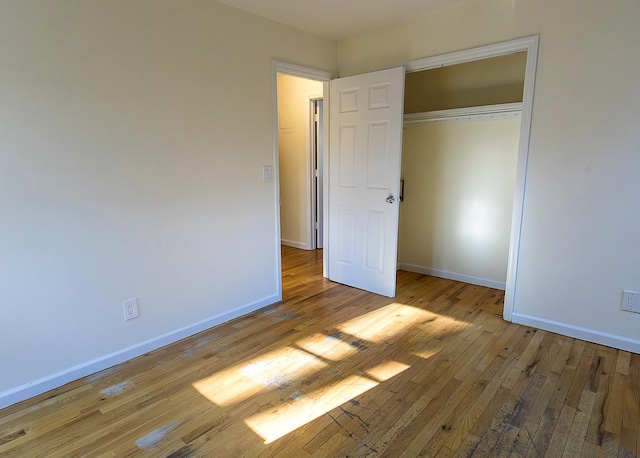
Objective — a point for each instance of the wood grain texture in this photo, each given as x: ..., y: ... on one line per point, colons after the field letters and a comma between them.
x: 336, y: 371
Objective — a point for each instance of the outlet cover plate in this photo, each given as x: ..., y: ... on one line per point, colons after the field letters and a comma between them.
x: 130, y: 308
x: 631, y: 301
x: 266, y: 173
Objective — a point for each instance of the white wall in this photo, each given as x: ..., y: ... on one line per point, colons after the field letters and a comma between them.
x: 455, y: 220
x: 294, y: 118
x: 132, y: 136
x: 580, y: 237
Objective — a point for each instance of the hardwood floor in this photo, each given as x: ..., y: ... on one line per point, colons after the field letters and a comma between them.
x: 335, y: 371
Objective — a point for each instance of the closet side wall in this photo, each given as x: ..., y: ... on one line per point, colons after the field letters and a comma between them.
x: 459, y: 187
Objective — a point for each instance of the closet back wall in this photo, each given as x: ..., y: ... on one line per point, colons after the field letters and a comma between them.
x: 459, y: 185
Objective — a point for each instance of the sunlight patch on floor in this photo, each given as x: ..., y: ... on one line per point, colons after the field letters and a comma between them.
x: 386, y: 322
x: 285, y: 368
x: 386, y: 370
x: 327, y: 347
x: 270, y: 371
x: 279, y: 421
x: 427, y: 353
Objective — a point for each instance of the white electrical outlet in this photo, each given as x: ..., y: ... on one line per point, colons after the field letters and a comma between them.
x: 631, y: 301
x: 130, y: 308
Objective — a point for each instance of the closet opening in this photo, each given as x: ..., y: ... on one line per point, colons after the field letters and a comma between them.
x: 459, y: 164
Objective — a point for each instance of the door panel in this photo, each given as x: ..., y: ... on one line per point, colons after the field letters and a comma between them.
x: 376, y: 155
x: 374, y: 240
x: 346, y: 235
x: 364, y: 170
x: 347, y: 157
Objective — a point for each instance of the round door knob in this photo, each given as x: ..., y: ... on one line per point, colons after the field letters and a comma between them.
x: 391, y: 199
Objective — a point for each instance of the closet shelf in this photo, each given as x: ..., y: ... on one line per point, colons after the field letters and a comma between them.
x: 481, y: 113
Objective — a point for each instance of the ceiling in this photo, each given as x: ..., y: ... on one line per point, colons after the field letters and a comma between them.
x: 337, y: 19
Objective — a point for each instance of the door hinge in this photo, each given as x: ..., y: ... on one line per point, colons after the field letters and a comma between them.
x: 316, y: 225
x: 316, y: 117
x: 316, y: 173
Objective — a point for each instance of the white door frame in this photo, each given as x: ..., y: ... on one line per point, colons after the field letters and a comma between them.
x: 313, y: 74
x: 315, y: 145
x: 530, y: 45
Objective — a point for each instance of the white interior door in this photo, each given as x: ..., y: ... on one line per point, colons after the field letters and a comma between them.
x: 365, y: 144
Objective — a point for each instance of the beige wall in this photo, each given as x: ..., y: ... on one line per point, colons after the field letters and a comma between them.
x: 294, y: 96
x: 482, y: 82
x: 459, y: 185
x: 580, y: 236
x: 132, y: 139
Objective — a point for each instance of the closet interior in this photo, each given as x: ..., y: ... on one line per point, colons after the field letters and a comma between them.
x: 460, y: 150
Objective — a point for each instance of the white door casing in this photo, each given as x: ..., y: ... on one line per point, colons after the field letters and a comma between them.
x: 316, y: 171
x: 365, y: 145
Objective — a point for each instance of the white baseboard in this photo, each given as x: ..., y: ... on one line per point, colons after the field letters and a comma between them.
x: 302, y: 246
x: 44, y: 384
x: 453, y: 276
x: 570, y: 330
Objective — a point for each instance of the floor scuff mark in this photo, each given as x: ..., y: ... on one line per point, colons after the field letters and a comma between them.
x: 261, y: 373
x: 296, y: 395
x: 115, y: 390
x: 352, y: 415
x: 288, y: 316
x: 359, y: 345
x: 201, y: 342
x: 271, y: 310
x: 152, y: 439
x: 282, y: 314
x: 98, y: 375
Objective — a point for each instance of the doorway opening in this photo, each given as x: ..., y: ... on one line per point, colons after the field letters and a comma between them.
x: 299, y: 140
x: 299, y: 159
